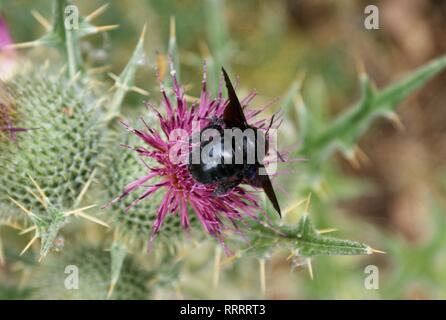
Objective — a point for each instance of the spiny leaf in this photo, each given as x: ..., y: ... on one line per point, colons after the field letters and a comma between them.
x: 65, y: 37
x: 125, y: 81
x: 310, y: 243
x: 302, y: 239
x: 344, y: 131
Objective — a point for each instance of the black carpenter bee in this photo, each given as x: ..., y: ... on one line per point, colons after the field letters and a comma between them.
x: 226, y: 172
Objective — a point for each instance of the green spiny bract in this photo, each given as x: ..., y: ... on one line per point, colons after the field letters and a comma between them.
x: 46, y: 168
x: 302, y: 239
x: 57, y: 276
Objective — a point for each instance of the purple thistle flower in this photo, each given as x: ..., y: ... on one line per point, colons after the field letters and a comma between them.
x: 173, y: 177
x: 5, y: 37
x: 8, y: 56
x: 7, y: 66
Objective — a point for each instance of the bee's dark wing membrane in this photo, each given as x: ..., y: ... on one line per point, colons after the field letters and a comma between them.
x: 233, y: 115
x: 268, y: 188
x: 263, y: 181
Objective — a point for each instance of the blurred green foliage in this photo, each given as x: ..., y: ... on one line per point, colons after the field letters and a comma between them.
x: 270, y: 47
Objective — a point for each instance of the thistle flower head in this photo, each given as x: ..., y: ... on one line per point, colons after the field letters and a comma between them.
x: 7, y: 55
x: 5, y: 37
x: 7, y: 65
x: 163, y: 174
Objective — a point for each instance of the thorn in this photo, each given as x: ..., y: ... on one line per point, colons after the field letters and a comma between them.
x: 40, y: 258
x: 299, y: 102
x: 23, y: 208
x: 396, y: 121
x: 217, y: 267
x: 143, y: 32
x: 44, y: 199
x: 105, y: 28
x: 36, y: 196
x: 310, y: 268
x: 362, y: 156
x: 113, y: 87
x: 307, y: 204
x: 371, y: 251
x: 290, y: 256
x: 99, y: 104
x: 13, y: 225
x: 27, y: 230
x: 360, y: 66
x: 262, y: 276
x: 113, y: 76
x: 110, y: 290
x: 102, y: 165
x: 79, y: 213
x: 352, y: 157
x: 96, y: 13
x: 29, y: 244
x: 140, y: 91
x: 172, y: 28
x: 23, y: 45
x: 74, y: 79
x: 84, y: 189
x: 41, y: 19
x: 62, y: 71
x: 328, y: 230
x: 76, y: 211
x: 293, y: 206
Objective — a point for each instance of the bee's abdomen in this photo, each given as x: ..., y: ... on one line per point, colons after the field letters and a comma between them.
x: 216, y: 164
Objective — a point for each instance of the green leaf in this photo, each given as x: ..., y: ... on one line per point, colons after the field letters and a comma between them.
x: 342, y: 133
x: 310, y: 243
x: 302, y: 239
x: 125, y: 81
x: 65, y: 38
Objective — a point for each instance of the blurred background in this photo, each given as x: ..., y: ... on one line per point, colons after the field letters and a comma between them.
x: 394, y: 200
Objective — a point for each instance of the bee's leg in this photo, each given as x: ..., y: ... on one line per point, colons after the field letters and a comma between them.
x: 225, y: 187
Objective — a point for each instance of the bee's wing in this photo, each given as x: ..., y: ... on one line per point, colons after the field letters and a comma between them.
x: 265, y: 182
x: 233, y: 115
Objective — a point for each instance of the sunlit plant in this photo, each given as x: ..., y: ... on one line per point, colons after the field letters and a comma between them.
x: 61, y: 154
